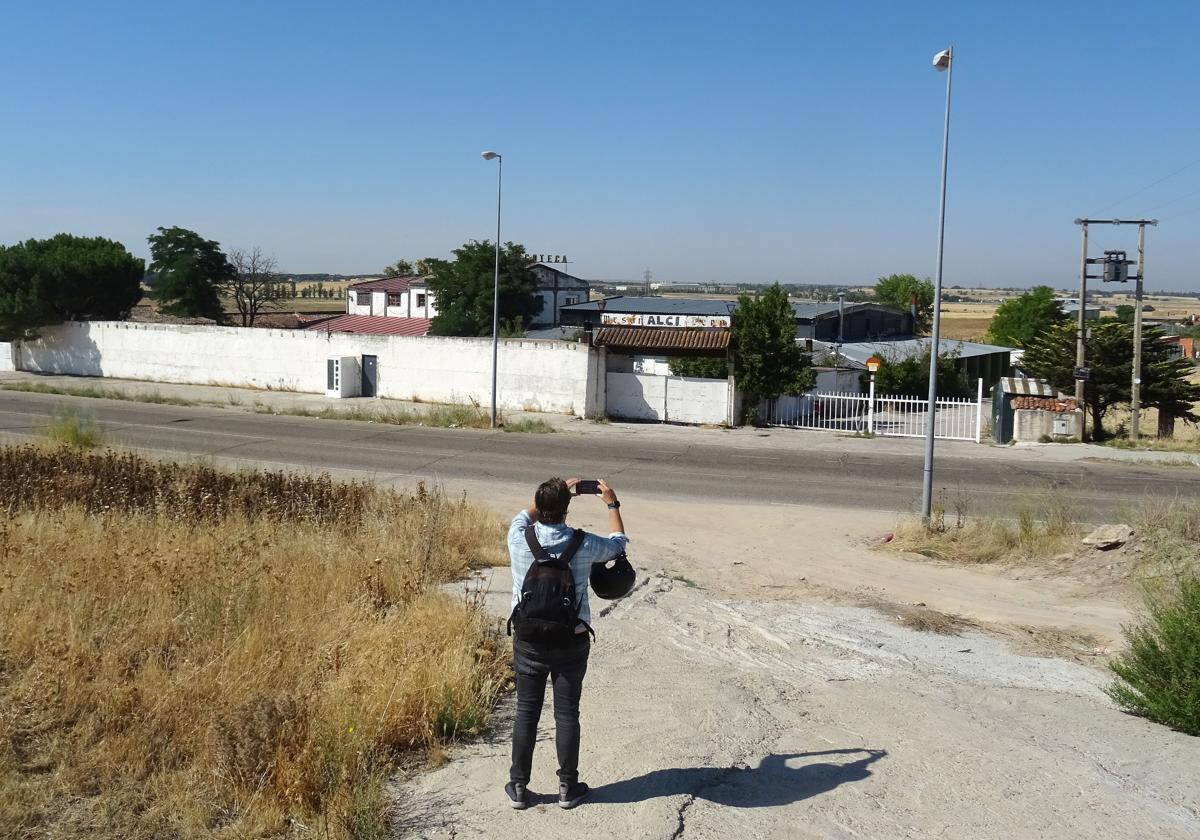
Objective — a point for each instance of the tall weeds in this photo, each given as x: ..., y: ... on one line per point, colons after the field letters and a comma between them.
x: 187, y: 652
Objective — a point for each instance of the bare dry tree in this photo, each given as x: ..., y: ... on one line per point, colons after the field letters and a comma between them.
x: 254, y: 286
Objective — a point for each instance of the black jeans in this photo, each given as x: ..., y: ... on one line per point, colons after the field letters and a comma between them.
x: 565, y: 666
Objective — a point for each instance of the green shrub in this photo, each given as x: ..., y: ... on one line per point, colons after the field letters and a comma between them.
x: 71, y: 428
x: 1158, y: 677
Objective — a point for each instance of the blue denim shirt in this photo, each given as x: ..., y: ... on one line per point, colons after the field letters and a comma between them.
x: 554, y: 539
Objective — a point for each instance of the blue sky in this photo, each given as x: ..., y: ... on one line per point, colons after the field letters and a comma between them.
x: 706, y: 141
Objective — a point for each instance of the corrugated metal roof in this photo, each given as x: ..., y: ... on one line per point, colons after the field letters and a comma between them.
x: 816, y: 310
x: 860, y: 351
x: 663, y: 338
x: 656, y: 306
x: 373, y: 325
x: 1029, y: 387
x: 389, y: 284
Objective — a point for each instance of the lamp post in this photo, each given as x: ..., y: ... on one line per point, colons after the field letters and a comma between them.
x: 942, y: 61
x: 496, y: 279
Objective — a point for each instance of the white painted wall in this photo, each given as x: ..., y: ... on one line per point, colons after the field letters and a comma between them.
x: 6, y: 357
x: 673, y: 399
x: 557, y: 376
x: 409, y: 305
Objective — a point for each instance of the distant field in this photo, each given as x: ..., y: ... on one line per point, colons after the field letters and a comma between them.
x: 307, y: 305
x: 964, y: 327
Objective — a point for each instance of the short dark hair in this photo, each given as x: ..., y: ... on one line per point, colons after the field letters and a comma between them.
x: 552, y: 499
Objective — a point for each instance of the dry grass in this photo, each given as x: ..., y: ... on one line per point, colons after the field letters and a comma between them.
x: 1166, y: 541
x: 453, y: 416
x: 967, y: 327
x: 1039, y: 532
x: 95, y: 393
x: 192, y: 653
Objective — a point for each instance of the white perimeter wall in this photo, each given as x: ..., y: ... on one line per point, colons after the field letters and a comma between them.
x: 555, y: 376
x: 6, y: 357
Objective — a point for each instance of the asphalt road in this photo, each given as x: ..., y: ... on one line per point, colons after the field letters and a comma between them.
x: 885, y: 478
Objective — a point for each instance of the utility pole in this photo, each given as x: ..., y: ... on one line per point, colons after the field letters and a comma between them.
x: 1116, y: 270
x: 1135, y: 393
x: 1080, y: 348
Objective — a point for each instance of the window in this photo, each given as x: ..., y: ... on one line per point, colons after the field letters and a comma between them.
x: 571, y: 300
x: 363, y: 298
x: 420, y: 300
x: 395, y: 299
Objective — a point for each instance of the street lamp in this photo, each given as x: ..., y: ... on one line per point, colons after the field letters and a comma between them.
x: 496, y: 279
x: 942, y: 61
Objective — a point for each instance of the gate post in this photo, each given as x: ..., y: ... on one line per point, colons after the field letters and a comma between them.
x: 871, y: 407
x: 979, y: 411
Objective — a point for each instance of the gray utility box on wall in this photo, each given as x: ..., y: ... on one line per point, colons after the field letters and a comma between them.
x: 342, y: 377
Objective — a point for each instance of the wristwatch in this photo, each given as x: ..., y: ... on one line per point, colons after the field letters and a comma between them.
x: 614, y: 505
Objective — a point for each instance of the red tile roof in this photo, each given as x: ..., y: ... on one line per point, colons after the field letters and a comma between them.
x: 1045, y: 403
x: 372, y: 325
x: 389, y: 284
x: 663, y: 338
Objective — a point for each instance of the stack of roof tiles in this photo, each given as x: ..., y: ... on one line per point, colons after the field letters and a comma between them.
x: 1045, y: 403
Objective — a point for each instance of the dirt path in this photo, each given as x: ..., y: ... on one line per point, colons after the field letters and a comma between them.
x: 714, y: 713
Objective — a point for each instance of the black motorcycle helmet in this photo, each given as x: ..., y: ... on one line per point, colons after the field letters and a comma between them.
x: 614, y: 579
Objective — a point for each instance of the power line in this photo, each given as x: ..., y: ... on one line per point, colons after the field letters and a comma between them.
x: 1173, y: 200
x: 1153, y: 184
x: 1185, y: 213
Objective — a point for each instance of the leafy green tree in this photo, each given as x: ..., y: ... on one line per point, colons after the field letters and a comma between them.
x: 898, y: 290
x: 1019, y: 320
x: 1125, y: 313
x: 910, y: 376
x: 700, y: 367
x: 767, y: 360
x: 400, y: 268
x: 1165, y: 383
x: 188, y: 272
x: 463, y: 289
x: 65, y: 278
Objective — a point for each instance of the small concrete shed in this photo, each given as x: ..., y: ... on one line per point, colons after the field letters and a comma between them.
x: 1030, y: 409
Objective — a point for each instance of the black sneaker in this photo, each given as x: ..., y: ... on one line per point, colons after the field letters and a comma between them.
x: 571, y: 795
x: 518, y: 797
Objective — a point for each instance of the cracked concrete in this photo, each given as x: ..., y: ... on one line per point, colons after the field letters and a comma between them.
x: 709, y: 717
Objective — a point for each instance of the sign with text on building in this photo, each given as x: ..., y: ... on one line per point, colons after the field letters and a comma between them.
x: 624, y: 319
x: 548, y: 258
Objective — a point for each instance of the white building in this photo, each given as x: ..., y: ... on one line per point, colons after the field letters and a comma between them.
x: 392, y: 297
x: 556, y: 290
x: 409, y: 297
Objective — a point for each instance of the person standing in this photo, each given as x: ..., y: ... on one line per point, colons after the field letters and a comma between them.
x: 556, y: 649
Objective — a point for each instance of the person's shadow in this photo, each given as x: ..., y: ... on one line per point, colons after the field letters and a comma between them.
x: 772, y: 782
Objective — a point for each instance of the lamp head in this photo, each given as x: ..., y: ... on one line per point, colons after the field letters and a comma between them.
x: 941, y: 61
x: 490, y: 155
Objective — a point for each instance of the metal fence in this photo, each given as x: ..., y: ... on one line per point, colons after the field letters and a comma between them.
x: 871, y: 413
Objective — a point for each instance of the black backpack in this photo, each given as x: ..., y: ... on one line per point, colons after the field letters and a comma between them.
x: 548, y: 613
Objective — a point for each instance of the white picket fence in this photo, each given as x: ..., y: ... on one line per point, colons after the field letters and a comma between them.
x: 871, y: 413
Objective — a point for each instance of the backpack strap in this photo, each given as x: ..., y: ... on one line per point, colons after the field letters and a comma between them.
x: 539, y: 553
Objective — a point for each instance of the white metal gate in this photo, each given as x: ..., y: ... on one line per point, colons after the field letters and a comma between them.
x: 673, y: 399
x: 871, y: 413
